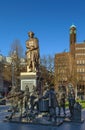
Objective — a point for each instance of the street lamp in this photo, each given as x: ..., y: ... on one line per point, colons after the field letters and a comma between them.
x: 13, y: 68
x: 13, y: 77
x: 14, y: 64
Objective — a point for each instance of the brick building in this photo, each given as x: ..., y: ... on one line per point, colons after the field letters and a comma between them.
x: 70, y: 66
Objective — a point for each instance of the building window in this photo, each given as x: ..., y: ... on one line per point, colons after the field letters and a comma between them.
x: 83, y: 69
x: 77, y: 61
x: 80, y: 70
x: 80, y: 54
x: 83, y: 61
x: 82, y: 48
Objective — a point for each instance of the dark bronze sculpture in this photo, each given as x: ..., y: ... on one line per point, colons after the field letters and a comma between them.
x: 71, y: 100
x: 26, y: 98
x: 35, y: 109
x: 15, y: 96
x: 51, y: 102
x: 61, y: 103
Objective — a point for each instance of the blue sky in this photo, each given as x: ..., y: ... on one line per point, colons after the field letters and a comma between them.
x: 50, y: 20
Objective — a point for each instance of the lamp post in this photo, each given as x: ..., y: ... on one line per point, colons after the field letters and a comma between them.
x: 14, y: 60
x: 13, y: 77
x: 1, y: 73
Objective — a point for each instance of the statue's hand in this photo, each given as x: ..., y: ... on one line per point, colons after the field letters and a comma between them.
x: 31, y: 48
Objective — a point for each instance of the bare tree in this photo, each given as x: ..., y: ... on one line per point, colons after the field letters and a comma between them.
x: 47, y: 68
x: 16, y: 52
x: 16, y: 46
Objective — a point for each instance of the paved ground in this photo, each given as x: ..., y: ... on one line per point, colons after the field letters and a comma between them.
x: 19, y: 126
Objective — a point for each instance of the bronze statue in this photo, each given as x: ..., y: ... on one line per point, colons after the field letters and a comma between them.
x: 26, y: 98
x: 14, y: 98
x: 61, y: 102
x: 52, y: 102
x: 32, y: 53
x: 71, y: 100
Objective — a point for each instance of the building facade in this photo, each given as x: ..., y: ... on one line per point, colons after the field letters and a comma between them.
x: 10, y: 73
x: 70, y: 66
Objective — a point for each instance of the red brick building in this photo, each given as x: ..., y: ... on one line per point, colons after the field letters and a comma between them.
x: 70, y: 66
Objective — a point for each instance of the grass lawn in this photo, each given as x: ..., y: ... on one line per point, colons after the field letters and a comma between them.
x: 82, y: 102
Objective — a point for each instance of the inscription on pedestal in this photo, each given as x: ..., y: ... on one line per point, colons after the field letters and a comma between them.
x: 29, y: 82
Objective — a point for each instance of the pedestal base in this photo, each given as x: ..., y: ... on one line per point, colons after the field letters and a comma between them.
x: 37, y: 121
x: 28, y: 79
x: 74, y: 121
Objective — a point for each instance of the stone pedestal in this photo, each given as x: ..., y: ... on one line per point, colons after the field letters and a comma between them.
x: 29, y: 79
